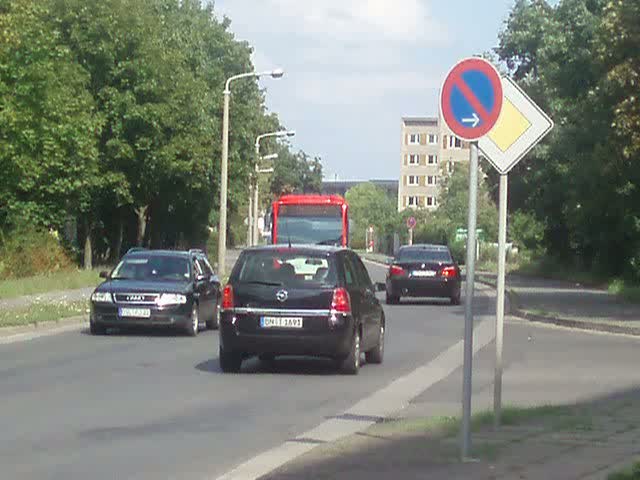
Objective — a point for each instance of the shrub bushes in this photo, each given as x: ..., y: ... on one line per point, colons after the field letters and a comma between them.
x: 27, y: 251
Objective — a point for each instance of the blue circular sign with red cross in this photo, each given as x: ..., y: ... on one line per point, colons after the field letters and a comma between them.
x: 471, y: 98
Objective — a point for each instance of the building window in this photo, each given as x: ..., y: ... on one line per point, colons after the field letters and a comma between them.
x: 454, y: 142
x: 412, y: 180
x: 414, y: 159
x: 431, y: 201
x: 413, y: 201
x: 433, y: 139
x: 432, y: 180
x: 433, y: 159
x: 414, y: 139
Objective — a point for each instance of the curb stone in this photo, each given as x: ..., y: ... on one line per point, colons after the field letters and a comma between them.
x: 41, y: 328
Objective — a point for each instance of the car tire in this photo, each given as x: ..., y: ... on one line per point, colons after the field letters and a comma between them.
x: 96, y: 329
x: 193, y: 326
x: 392, y: 299
x: 214, y: 323
x: 455, y: 300
x: 230, y: 362
x: 351, y: 364
x: 268, y: 360
x: 376, y: 355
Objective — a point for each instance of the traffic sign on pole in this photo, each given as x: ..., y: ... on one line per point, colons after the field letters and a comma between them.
x: 471, y: 98
x: 522, y: 124
x: 520, y: 127
x: 411, y: 223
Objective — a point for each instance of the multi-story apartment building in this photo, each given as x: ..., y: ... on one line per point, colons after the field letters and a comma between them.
x: 429, y: 151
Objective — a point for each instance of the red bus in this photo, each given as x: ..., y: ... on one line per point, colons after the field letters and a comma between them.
x: 310, y: 219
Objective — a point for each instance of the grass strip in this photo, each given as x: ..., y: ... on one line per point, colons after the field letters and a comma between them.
x: 41, y: 312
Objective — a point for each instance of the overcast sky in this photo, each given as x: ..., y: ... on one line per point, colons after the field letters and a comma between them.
x: 355, y: 67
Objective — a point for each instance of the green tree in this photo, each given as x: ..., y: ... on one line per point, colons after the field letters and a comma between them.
x: 369, y: 205
x: 48, y: 154
x: 578, y: 60
x: 295, y: 173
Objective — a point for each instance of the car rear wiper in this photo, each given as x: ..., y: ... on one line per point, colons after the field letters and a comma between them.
x: 329, y: 242
x: 260, y: 282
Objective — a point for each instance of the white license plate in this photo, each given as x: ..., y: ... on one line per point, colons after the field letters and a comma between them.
x: 281, y: 322
x: 134, y: 312
x: 423, y: 273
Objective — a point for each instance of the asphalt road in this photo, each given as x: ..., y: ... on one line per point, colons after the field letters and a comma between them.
x: 155, y: 405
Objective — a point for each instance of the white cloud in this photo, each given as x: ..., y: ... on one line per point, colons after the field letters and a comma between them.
x: 398, y: 21
x: 360, y: 88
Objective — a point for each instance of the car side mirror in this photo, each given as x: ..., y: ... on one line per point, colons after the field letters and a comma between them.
x: 104, y: 274
x: 380, y: 287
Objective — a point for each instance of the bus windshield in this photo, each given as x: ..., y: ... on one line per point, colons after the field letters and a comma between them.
x: 305, y: 224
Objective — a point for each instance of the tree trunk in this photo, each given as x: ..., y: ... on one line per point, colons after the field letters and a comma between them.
x: 141, y: 212
x: 117, y: 246
x: 88, y: 249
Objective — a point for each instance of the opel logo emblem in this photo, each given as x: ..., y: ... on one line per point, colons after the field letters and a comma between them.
x: 282, y: 295
x: 423, y: 265
x: 134, y: 298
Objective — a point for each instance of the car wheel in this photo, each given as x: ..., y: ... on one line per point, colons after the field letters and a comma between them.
x: 96, y: 329
x: 376, y: 355
x: 214, y: 323
x: 351, y: 364
x: 392, y: 299
x: 194, y: 325
x: 230, y: 362
x: 455, y: 300
x: 268, y: 360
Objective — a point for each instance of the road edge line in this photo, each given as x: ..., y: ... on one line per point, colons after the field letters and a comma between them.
x: 368, y: 410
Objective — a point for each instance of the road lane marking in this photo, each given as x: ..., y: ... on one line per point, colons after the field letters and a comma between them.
x: 381, y: 404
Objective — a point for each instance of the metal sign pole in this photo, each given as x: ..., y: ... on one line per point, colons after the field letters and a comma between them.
x: 468, y: 305
x: 411, y: 236
x: 502, y: 259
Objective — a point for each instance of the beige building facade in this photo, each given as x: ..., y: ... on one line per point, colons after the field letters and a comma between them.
x: 429, y: 151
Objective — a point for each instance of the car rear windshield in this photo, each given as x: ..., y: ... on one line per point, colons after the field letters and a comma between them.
x: 424, y: 255
x: 287, y: 268
x: 153, y: 267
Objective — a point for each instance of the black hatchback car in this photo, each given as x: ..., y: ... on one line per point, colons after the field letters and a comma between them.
x: 157, y: 288
x: 302, y: 301
x: 423, y: 271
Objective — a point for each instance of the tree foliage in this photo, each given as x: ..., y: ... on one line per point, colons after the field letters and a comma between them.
x: 111, y: 118
x: 580, y: 60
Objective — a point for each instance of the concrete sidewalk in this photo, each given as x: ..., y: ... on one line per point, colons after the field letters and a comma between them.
x: 562, y: 303
x: 593, y: 432
x: 569, y: 304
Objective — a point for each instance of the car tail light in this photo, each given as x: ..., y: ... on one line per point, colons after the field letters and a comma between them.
x: 227, y: 297
x: 396, y: 271
x: 449, y: 272
x: 341, y: 302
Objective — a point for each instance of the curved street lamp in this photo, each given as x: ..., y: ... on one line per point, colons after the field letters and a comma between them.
x: 222, y: 228
x: 254, y: 190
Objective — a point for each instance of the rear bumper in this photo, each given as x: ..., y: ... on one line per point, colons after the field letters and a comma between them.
x: 333, y: 343
x: 423, y: 287
x: 107, y: 316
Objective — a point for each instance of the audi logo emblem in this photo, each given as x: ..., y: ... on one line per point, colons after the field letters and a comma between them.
x: 134, y: 298
x: 282, y: 295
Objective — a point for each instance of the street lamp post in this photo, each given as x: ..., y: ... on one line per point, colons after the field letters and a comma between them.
x: 222, y: 227
x: 253, y: 216
x: 282, y: 133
